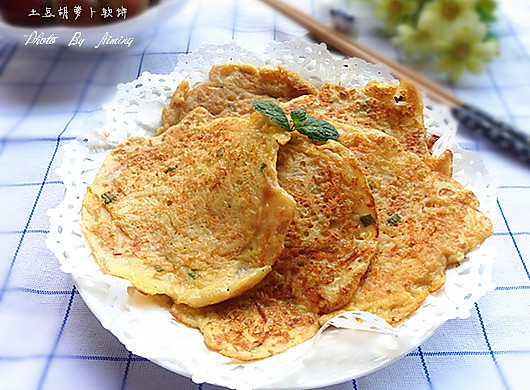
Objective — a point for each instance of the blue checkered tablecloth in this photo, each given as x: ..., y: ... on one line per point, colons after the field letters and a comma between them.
x: 49, y: 339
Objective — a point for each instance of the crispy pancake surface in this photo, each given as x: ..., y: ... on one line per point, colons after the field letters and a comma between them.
x: 328, y: 246
x: 428, y: 222
x: 232, y: 88
x: 327, y: 250
x: 196, y: 213
x: 259, y: 235
x: 396, y: 109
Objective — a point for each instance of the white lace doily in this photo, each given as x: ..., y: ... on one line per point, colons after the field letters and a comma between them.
x: 344, y: 351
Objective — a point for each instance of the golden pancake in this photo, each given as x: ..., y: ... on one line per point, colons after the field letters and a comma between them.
x: 259, y: 235
x: 327, y: 250
x: 428, y: 222
x: 327, y: 245
x: 232, y: 88
x: 394, y: 109
x: 196, y: 213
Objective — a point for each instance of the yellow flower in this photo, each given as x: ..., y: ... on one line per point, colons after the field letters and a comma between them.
x: 415, y: 41
x: 464, y: 46
x: 450, y: 9
x: 395, y: 12
x: 453, y: 34
x: 434, y: 23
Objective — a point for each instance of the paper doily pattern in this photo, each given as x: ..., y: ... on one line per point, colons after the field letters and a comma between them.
x: 327, y: 358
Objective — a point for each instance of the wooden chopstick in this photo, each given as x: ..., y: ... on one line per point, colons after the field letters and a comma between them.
x: 475, y: 119
x: 353, y: 48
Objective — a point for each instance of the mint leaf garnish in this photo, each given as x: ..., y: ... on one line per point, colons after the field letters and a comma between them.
x: 273, y: 111
x: 318, y: 129
x: 314, y: 128
x: 298, y: 117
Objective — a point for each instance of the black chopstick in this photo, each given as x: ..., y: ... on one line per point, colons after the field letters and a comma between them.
x: 504, y: 135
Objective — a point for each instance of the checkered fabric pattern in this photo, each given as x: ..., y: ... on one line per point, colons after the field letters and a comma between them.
x: 49, y: 339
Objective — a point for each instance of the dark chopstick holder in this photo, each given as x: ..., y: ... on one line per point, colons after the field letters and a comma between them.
x: 501, y: 133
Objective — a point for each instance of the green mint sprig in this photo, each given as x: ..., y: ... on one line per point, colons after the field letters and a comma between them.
x: 314, y: 128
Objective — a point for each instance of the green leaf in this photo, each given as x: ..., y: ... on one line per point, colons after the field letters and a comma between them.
x: 273, y: 111
x: 298, y: 117
x: 318, y: 129
x: 486, y: 10
x: 314, y: 128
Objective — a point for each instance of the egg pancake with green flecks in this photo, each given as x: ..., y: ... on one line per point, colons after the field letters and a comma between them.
x: 195, y: 213
x: 231, y: 89
x: 395, y: 109
x: 427, y: 222
x: 327, y: 250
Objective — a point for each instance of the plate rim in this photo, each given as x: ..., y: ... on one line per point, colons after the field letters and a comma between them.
x: 276, y: 385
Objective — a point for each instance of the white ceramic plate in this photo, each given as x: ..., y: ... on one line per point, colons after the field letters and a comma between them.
x: 127, y: 30
x: 342, y: 352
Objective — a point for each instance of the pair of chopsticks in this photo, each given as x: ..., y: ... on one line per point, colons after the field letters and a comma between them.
x: 471, y: 117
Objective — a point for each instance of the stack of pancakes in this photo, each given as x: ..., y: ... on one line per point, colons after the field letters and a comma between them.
x: 259, y: 235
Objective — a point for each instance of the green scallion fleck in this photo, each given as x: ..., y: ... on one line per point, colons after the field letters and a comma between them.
x: 254, y: 347
x: 220, y: 152
x: 108, y: 197
x: 262, y: 167
x: 159, y: 269
x: 367, y: 219
x: 365, y: 105
x: 192, y: 274
x: 394, y: 219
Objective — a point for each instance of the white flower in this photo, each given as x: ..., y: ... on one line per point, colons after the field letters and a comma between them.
x: 450, y: 9
x: 464, y: 46
x: 453, y: 33
x: 415, y: 41
x: 395, y: 12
